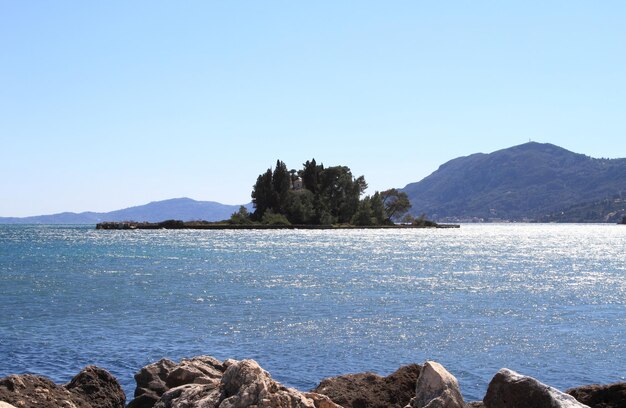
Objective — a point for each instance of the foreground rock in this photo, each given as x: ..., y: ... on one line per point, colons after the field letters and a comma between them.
x: 246, y: 384
x: 509, y: 389
x: 436, y: 388
x: 205, y: 382
x: 93, y: 387
x: 475, y: 404
x: 156, y: 379
x: 601, y: 396
x: 371, y: 390
x: 151, y: 383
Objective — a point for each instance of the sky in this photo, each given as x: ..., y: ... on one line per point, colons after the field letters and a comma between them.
x: 111, y: 104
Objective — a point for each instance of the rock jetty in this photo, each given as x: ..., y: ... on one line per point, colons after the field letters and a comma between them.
x: 205, y: 382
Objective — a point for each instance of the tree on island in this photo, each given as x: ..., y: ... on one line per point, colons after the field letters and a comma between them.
x: 320, y: 195
x: 396, y: 203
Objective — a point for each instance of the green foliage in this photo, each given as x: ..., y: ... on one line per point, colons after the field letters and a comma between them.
x: 340, y: 192
x: 396, y: 203
x: 263, y: 196
x: 300, y: 207
x: 329, y: 195
x: 364, y: 214
x: 281, y: 184
x: 271, y: 218
x: 325, y: 218
x: 421, y: 221
x: 242, y: 216
x: 311, y: 175
x: 378, y: 209
x: 171, y: 224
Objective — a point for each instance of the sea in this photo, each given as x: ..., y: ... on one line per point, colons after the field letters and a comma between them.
x: 545, y: 300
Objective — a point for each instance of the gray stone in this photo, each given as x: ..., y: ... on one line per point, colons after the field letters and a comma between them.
x: 199, y: 369
x: 436, y: 388
x: 246, y: 384
x: 151, y: 383
x: 191, y: 395
x: 157, y: 379
x: 204, y: 382
x: 509, y: 389
x: 321, y: 401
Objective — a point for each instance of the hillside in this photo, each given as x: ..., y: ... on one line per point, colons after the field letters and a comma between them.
x: 527, y: 182
x: 184, y: 209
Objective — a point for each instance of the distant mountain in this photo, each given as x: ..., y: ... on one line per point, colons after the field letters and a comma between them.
x: 532, y: 181
x: 184, y: 209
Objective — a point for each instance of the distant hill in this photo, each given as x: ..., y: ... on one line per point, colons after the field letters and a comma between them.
x: 532, y: 181
x: 184, y: 209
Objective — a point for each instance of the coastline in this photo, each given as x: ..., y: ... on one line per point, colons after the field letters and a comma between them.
x: 204, y: 225
x: 204, y: 381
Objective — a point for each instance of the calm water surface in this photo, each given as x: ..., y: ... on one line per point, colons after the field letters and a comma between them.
x: 545, y: 300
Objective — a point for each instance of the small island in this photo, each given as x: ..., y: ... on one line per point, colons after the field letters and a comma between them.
x: 315, y: 197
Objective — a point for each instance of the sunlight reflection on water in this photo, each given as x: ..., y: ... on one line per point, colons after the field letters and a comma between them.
x: 545, y: 300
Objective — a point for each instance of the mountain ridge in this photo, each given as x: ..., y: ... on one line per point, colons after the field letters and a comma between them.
x: 527, y: 182
x: 184, y: 208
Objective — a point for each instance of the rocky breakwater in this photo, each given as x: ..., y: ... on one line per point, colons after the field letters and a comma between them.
x: 204, y: 382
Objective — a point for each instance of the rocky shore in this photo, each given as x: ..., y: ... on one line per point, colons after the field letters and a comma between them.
x: 205, y: 382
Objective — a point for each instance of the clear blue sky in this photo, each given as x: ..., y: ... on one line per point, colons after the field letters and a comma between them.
x: 109, y: 104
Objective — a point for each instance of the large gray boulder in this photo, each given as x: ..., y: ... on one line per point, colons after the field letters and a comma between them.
x: 246, y: 384
x: 198, y: 370
x: 155, y: 379
x: 371, y: 390
x: 192, y: 395
x: 436, y: 388
x: 151, y: 383
x: 509, y: 389
x: 204, y: 382
x: 93, y: 387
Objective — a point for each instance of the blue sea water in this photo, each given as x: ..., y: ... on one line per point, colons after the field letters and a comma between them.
x: 544, y: 300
